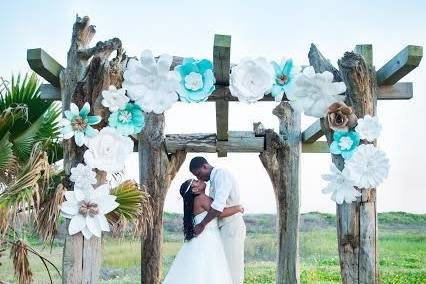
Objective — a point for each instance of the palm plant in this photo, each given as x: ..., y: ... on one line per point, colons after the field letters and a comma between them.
x: 29, y: 135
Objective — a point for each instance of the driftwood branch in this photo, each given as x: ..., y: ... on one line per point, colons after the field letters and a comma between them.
x: 281, y: 160
x: 82, y: 82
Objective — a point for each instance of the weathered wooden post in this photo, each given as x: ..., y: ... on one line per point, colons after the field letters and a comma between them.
x: 157, y: 169
x: 281, y: 160
x: 356, y: 222
x: 81, y: 83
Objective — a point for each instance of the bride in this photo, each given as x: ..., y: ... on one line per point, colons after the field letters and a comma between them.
x: 202, y: 258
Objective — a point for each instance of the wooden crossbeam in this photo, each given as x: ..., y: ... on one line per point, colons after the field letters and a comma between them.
x: 399, y: 91
x: 44, y: 65
x: 221, y: 69
x: 312, y: 133
x: 366, y: 50
x: 400, y: 65
x: 238, y: 142
x: 316, y: 147
x: 47, y: 67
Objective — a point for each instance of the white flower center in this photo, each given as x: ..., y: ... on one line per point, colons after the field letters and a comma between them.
x: 88, y: 208
x: 124, y: 116
x: 194, y: 81
x: 345, y: 143
x: 78, y: 124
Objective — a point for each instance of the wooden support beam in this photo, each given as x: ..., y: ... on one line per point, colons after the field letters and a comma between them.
x: 400, y: 65
x: 312, y: 133
x: 44, y: 65
x: 399, y: 91
x: 238, y: 142
x: 221, y: 68
x: 281, y: 160
x: 316, y: 147
x: 366, y: 50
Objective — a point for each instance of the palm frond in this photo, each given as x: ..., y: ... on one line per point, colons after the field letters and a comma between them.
x: 47, y: 217
x: 41, y: 122
x: 6, y: 159
x: 134, y: 207
x: 23, y: 193
x: 21, y: 265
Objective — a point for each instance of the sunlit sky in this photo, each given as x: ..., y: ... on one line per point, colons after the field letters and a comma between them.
x: 272, y: 29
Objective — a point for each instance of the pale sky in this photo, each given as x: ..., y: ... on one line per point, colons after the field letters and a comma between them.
x: 272, y: 29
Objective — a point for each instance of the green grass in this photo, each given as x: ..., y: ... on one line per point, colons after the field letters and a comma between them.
x: 402, y: 252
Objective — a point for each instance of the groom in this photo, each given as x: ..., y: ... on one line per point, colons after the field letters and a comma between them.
x: 225, y: 193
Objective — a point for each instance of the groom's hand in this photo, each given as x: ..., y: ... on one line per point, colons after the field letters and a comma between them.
x: 199, y: 228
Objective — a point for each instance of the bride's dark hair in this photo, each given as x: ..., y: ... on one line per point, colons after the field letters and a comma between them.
x: 188, y: 209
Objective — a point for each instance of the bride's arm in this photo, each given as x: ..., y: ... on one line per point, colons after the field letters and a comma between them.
x: 206, y: 202
x: 229, y: 211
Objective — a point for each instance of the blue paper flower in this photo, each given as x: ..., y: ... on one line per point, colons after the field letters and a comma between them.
x: 196, y: 80
x: 129, y: 120
x: 77, y: 123
x: 285, y: 74
x: 344, y: 143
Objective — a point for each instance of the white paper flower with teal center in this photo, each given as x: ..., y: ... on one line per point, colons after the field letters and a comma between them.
x: 150, y: 83
x: 196, y: 80
x: 87, y: 210
x: 129, y: 120
x: 285, y: 75
x: 83, y: 176
x: 78, y: 123
x: 340, y: 186
x: 114, y: 99
x: 108, y: 151
x: 344, y: 143
x: 368, y: 167
x: 251, y: 79
x: 369, y: 128
x: 314, y: 92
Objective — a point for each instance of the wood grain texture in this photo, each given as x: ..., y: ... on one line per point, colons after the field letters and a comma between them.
x: 83, y: 82
x: 281, y: 160
x: 44, y: 65
x: 400, y: 65
x: 156, y: 171
x: 356, y: 222
x: 222, y: 69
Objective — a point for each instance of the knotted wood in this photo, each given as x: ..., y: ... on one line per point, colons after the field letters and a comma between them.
x: 156, y: 171
x: 281, y: 160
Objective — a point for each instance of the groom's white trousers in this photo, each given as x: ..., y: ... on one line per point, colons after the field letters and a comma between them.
x: 233, y: 234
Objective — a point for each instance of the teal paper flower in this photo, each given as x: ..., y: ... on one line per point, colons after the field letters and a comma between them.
x: 77, y: 123
x: 285, y: 74
x: 344, y: 143
x: 129, y: 120
x: 196, y: 80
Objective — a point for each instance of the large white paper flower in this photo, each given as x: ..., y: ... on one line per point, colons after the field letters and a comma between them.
x: 368, y: 166
x: 83, y: 176
x: 251, y: 79
x: 340, y: 186
x: 108, y: 151
x: 87, y: 210
x: 368, y: 128
x: 150, y: 83
x: 314, y: 92
x: 114, y: 99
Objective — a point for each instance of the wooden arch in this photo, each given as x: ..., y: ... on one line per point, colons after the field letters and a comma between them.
x: 89, y: 71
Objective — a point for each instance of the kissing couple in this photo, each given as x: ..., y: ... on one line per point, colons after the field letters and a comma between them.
x: 214, y: 229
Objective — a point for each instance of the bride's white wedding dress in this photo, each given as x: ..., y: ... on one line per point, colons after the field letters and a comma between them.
x: 201, y: 260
